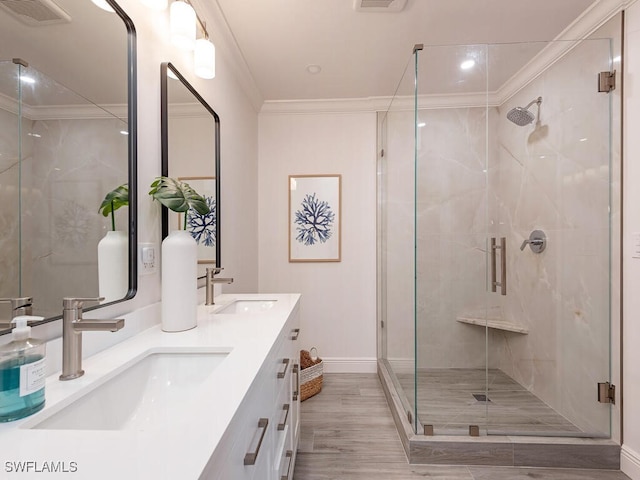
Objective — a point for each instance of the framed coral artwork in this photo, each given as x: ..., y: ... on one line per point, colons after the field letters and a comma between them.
x: 314, y: 218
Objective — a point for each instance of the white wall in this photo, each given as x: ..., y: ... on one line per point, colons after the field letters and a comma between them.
x: 338, y: 299
x: 630, y: 461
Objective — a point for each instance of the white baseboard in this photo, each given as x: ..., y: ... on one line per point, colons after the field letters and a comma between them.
x: 630, y: 463
x: 350, y: 365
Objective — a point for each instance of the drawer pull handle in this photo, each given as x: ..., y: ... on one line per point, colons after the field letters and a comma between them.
x: 290, y: 457
x: 285, y: 408
x: 250, y: 458
x: 296, y: 392
x: 286, y: 365
x: 296, y: 334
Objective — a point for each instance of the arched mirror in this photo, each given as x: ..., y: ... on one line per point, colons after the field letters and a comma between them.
x: 67, y: 139
x: 191, y: 153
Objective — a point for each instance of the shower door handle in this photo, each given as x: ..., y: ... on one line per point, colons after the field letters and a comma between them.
x: 503, y: 265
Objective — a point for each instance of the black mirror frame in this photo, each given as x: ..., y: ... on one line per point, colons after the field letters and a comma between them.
x: 164, y: 130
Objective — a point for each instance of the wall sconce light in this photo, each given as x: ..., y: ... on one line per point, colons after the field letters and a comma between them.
x: 204, y: 58
x: 182, y: 23
x: 156, y: 4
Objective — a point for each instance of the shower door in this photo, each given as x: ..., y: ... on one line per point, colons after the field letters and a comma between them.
x: 512, y: 238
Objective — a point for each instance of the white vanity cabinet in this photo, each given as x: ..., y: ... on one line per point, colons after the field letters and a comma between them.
x: 261, y: 440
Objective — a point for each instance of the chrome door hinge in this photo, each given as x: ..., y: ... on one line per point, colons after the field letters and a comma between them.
x: 606, y: 81
x: 381, y: 323
x: 606, y: 393
x: 382, y: 152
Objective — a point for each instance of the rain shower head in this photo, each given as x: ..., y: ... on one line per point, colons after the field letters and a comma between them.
x: 521, y: 116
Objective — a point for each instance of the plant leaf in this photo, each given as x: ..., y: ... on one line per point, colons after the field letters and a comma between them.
x: 119, y: 197
x: 177, y: 196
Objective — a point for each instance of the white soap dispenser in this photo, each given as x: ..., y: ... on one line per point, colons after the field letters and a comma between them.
x: 22, y: 372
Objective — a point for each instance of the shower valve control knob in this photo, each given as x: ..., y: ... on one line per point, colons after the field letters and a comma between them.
x: 537, y: 241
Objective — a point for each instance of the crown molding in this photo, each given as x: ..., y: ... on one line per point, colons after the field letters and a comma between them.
x: 584, y: 26
x: 64, y: 112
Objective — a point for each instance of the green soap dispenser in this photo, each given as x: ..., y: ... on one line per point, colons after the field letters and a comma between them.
x: 22, y: 373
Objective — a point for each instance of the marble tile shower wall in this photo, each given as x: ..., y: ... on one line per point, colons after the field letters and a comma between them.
x: 68, y: 166
x: 452, y: 235
x: 8, y: 202
x: 555, y: 177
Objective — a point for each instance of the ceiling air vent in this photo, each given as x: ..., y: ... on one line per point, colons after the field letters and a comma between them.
x: 35, y: 12
x: 379, y: 5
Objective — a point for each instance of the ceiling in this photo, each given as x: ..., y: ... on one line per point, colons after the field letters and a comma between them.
x: 364, y: 54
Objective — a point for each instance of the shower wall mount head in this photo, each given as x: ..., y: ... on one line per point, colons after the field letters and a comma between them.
x: 522, y: 116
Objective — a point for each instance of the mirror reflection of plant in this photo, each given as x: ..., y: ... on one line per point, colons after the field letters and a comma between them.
x: 178, y: 196
x: 116, y: 198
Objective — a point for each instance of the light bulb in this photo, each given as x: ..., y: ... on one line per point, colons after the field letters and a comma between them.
x: 204, y: 59
x: 182, y: 18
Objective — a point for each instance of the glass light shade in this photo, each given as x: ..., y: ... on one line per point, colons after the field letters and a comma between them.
x: 204, y: 59
x: 182, y: 19
x: 103, y: 5
x: 156, y: 4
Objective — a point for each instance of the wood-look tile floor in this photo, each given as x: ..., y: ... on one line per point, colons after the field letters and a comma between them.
x: 445, y: 400
x: 347, y: 433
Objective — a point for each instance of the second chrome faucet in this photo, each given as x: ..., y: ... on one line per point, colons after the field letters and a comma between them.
x: 211, y: 281
x: 72, y: 327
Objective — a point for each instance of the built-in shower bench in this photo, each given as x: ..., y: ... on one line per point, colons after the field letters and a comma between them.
x: 497, y: 323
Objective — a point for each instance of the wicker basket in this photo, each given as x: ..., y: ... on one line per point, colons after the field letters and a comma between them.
x: 310, y: 374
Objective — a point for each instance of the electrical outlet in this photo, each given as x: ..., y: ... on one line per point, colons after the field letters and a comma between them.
x: 147, y: 259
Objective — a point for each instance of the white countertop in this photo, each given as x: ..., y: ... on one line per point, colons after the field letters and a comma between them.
x: 181, y: 447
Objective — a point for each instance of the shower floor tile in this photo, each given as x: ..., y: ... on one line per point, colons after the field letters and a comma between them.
x: 446, y: 401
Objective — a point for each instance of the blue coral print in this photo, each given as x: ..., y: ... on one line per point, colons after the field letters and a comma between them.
x: 314, y: 221
x: 203, y: 227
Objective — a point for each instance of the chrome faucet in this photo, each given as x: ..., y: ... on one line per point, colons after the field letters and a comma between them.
x: 19, y: 306
x: 211, y: 281
x: 72, y: 327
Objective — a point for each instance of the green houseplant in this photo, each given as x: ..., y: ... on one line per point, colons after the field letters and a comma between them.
x: 178, y: 196
x: 116, y: 198
x: 179, y: 256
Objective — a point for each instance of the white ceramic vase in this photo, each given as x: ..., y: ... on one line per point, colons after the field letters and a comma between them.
x: 179, y: 282
x: 113, y: 266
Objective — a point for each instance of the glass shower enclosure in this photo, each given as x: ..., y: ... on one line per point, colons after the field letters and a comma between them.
x: 496, y: 193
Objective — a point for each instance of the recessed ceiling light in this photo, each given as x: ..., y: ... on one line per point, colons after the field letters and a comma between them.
x: 314, y: 69
x: 467, y: 64
x: 27, y: 79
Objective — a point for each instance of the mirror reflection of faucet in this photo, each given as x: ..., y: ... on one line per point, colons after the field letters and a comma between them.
x: 537, y: 241
x: 20, y: 307
x: 211, y: 281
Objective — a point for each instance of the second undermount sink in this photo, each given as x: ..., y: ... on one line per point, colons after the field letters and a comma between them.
x: 247, y: 306
x: 141, y: 396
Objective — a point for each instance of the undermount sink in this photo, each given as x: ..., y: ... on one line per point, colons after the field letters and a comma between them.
x: 248, y: 306
x: 141, y: 396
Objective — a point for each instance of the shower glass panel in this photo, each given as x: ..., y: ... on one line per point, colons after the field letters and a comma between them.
x: 495, y: 226
x: 396, y: 239
x: 452, y: 152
